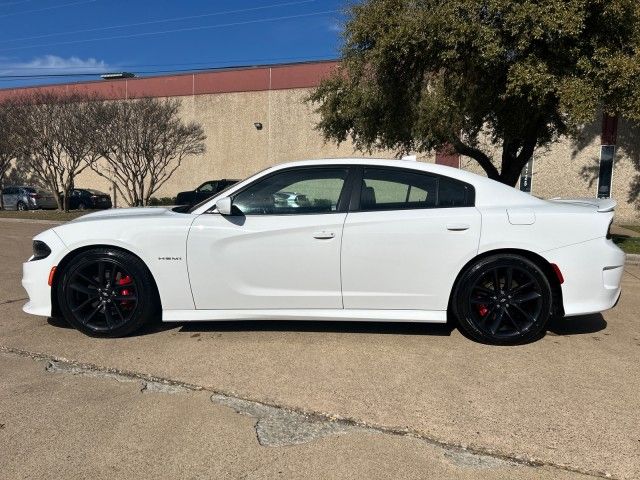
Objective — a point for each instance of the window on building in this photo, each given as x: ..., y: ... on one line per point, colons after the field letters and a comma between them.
x: 605, y: 174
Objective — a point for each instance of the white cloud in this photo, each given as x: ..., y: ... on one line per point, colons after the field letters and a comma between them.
x: 52, y: 64
x: 335, y: 26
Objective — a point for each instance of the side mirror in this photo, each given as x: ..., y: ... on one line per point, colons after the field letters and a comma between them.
x: 224, y: 206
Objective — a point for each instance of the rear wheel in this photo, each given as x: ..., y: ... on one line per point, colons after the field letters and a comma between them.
x: 21, y: 207
x: 107, y: 293
x: 503, y: 300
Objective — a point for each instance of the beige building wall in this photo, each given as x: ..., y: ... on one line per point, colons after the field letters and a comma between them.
x: 236, y: 149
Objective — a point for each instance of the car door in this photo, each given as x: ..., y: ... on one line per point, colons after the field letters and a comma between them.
x: 406, y: 239
x: 280, y: 248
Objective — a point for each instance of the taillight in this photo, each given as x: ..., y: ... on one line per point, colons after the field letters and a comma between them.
x: 35, y: 195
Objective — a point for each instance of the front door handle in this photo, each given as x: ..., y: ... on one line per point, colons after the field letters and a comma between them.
x: 324, y: 235
x: 458, y: 227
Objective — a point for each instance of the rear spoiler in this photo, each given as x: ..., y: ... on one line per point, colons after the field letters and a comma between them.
x: 601, y: 204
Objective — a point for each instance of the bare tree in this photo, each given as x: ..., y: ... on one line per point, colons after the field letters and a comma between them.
x: 56, y: 138
x: 143, y: 142
x: 8, y: 141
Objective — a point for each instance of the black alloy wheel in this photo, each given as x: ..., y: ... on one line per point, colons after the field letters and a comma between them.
x: 503, y: 300
x: 106, y: 293
x: 82, y: 206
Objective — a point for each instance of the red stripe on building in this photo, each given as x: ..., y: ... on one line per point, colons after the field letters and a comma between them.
x: 244, y: 79
x: 448, y: 156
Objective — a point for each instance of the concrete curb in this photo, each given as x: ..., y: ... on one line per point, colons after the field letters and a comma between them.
x: 29, y: 220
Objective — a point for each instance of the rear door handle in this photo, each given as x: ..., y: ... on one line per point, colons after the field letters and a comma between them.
x: 458, y: 227
x: 324, y: 235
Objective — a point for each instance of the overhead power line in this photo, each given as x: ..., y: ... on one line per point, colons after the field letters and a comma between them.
x: 13, y: 78
x: 9, y: 4
x: 155, y: 22
x: 209, y: 64
x: 176, y: 30
x: 52, y: 7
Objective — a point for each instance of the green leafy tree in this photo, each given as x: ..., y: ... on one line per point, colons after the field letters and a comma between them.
x: 481, y: 76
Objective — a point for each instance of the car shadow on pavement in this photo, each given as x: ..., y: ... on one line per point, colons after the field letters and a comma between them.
x: 584, y: 324
x: 390, y: 328
x: 149, y: 329
x: 580, y: 325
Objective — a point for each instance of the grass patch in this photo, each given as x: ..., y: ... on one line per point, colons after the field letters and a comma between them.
x: 626, y: 243
x: 55, y: 215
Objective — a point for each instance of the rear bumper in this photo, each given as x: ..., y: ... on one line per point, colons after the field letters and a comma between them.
x: 592, y: 275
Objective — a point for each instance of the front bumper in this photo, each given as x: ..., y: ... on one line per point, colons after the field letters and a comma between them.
x: 35, y: 275
x: 592, y: 275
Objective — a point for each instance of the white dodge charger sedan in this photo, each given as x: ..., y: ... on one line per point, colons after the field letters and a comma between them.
x: 373, y: 240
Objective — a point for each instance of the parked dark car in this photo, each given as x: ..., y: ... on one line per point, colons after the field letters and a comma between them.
x: 204, y: 191
x: 87, y: 198
x: 28, y: 198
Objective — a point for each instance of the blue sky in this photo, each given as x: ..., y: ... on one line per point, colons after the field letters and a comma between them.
x: 147, y: 36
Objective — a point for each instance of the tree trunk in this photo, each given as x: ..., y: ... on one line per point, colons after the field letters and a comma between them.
x: 514, y: 158
x: 65, y: 205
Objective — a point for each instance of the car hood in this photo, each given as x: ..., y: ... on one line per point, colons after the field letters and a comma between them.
x: 125, y: 213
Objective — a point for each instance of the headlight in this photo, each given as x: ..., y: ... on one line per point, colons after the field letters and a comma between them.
x: 40, y: 250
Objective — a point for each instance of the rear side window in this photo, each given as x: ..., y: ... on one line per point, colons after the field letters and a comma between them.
x: 400, y: 189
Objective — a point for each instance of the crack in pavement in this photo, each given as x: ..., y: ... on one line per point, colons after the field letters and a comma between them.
x: 279, y: 425
x: 6, y: 302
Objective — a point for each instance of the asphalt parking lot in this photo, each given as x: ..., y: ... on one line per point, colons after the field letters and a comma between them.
x: 314, y: 400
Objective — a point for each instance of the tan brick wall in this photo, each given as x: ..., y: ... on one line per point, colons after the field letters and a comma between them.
x: 236, y: 149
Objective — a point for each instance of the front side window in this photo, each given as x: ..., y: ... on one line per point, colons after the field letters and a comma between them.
x: 394, y: 189
x: 301, y: 191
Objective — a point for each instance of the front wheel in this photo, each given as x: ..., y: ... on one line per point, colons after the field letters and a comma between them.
x: 22, y: 207
x: 503, y: 300
x: 106, y: 293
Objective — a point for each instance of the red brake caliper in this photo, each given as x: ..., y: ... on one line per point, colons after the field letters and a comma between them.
x: 483, y: 310
x: 124, y: 281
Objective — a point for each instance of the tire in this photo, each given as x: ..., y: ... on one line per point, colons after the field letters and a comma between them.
x: 22, y: 207
x: 106, y: 292
x: 503, y: 300
x: 82, y: 206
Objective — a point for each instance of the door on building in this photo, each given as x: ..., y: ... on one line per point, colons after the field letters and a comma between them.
x: 280, y: 248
